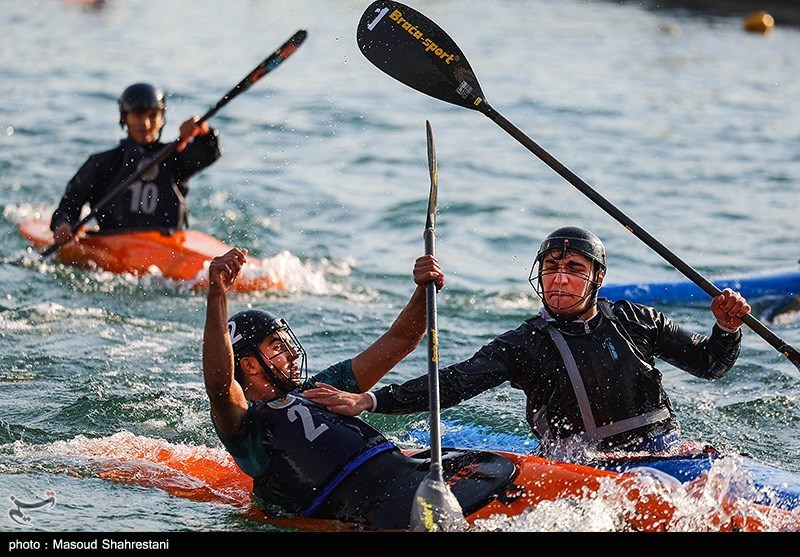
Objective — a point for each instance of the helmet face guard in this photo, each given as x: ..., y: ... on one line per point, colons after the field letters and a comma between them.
x: 141, y: 97
x: 247, y: 331
x: 577, y: 240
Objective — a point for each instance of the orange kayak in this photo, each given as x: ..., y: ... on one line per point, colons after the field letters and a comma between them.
x: 639, y: 502
x: 181, y: 256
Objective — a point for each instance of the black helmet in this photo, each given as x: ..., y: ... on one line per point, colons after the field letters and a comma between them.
x: 574, y: 238
x: 140, y: 97
x: 249, y: 328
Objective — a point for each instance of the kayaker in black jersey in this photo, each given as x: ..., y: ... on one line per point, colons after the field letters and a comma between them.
x: 586, y: 364
x: 157, y: 201
x: 304, y: 459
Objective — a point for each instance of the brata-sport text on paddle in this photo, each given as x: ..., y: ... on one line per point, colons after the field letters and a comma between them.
x: 269, y: 64
x: 414, y: 50
x: 435, y: 508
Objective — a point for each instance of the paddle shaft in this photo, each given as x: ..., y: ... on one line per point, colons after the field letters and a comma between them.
x: 429, y: 236
x: 266, y: 66
x: 759, y: 328
x: 413, y: 49
x: 433, y: 355
x: 434, y: 507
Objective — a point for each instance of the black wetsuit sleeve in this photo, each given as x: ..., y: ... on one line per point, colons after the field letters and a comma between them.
x: 203, y: 151
x: 491, y: 366
x: 707, y: 357
x: 87, y: 186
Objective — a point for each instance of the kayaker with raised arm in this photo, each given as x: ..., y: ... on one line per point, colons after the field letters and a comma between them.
x: 585, y: 364
x: 157, y: 201
x: 305, y: 460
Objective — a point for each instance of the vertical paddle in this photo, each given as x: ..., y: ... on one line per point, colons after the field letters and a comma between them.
x: 411, y: 48
x: 269, y: 64
x: 435, y: 508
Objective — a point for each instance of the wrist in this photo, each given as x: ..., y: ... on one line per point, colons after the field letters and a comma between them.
x: 726, y: 329
x: 215, y: 294
x: 372, y: 401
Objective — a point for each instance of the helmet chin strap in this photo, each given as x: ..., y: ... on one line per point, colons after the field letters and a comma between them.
x: 277, y: 377
x: 564, y: 317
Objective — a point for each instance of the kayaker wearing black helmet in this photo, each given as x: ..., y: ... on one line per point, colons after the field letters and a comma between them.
x: 157, y: 201
x: 306, y: 460
x: 586, y: 364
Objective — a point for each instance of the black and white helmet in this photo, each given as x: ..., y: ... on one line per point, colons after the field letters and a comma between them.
x: 577, y: 239
x: 571, y: 239
x: 247, y: 330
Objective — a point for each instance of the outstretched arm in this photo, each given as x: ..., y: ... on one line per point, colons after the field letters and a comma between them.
x: 405, y: 333
x: 228, y: 403
x: 385, y: 353
x: 707, y: 357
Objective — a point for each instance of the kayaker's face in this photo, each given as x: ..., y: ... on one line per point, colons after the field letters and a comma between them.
x: 567, y: 281
x: 144, y: 127
x: 279, y: 351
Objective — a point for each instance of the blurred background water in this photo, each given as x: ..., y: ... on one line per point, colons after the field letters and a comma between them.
x: 685, y: 122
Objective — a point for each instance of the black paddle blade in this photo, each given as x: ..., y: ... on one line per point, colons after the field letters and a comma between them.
x: 411, y: 48
x: 435, y: 508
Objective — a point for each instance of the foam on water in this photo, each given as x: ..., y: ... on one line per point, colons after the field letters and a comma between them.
x: 205, y: 473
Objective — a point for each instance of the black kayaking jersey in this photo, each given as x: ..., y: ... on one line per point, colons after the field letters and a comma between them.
x: 615, y: 394
x: 308, y: 446
x: 155, y: 202
x: 293, y: 448
x: 307, y: 461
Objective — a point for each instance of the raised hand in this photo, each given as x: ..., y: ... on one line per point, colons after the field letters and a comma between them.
x: 189, y: 130
x: 224, y: 269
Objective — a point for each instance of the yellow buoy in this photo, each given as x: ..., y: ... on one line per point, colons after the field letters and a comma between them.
x: 759, y: 22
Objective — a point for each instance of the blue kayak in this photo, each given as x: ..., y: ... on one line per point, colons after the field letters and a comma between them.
x: 770, y: 292
x: 770, y: 486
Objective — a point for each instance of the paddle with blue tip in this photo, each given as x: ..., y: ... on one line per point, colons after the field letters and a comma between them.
x: 414, y: 50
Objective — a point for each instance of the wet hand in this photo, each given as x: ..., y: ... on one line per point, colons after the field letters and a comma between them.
x: 426, y: 269
x: 191, y: 129
x: 729, y: 308
x: 338, y: 401
x: 63, y: 234
x: 224, y: 269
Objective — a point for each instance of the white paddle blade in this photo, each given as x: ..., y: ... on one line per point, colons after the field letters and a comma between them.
x: 435, y: 508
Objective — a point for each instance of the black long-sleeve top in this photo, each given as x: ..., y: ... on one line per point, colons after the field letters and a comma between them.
x: 156, y: 201
x: 616, y: 358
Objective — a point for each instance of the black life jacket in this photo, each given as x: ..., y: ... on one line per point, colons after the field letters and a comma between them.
x: 311, y: 450
x: 325, y: 465
x: 617, y: 390
x: 152, y: 202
